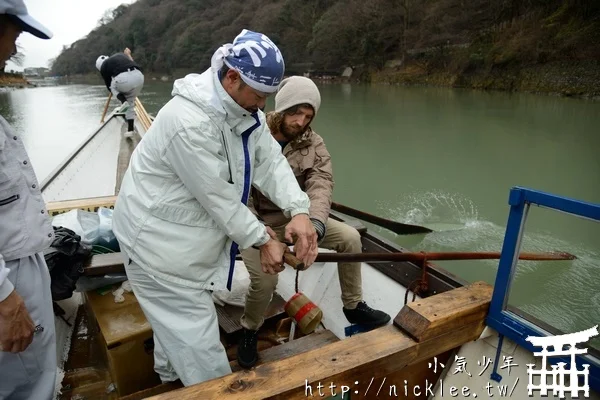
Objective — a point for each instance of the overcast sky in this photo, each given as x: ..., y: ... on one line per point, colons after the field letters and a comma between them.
x: 69, y: 20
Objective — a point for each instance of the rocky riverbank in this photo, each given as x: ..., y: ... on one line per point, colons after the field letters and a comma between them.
x: 564, y: 78
x: 13, y: 81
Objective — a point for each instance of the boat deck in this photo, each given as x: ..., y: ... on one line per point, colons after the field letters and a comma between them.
x: 104, y: 157
x: 87, y: 373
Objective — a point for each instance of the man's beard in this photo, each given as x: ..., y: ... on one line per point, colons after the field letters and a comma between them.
x: 291, y: 133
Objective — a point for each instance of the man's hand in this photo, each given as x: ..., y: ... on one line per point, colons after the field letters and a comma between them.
x: 271, y: 232
x: 271, y: 254
x: 128, y: 53
x: 305, y: 246
x: 16, y: 326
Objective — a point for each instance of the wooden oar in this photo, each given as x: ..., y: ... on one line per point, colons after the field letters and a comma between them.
x: 106, y: 107
x: 290, y: 259
x: 396, y: 227
x: 414, y: 257
x: 102, y: 264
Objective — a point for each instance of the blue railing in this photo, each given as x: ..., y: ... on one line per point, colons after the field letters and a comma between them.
x: 499, y: 317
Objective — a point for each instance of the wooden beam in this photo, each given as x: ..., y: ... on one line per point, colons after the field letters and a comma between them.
x: 144, y: 394
x: 373, y: 354
x: 90, y: 204
x: 425, y: 319
x: 314, y: 341
x: 289, y: 349
x: 125, y: 151
x: 110, y: 263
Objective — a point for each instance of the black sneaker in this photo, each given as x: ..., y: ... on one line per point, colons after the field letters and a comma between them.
x: 365, y: 315
x: 247, y: 353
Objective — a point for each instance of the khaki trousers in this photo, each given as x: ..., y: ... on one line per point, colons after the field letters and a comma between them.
x: 339, y: 237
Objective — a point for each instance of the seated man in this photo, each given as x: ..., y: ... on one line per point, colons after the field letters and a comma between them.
x: 296, y: 104
x: 124, y: 78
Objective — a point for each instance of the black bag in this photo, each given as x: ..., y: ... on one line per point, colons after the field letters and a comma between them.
x: 66, y: 259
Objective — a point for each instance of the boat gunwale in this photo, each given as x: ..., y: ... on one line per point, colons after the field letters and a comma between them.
x: 65, y: 163
x: 440, y: 279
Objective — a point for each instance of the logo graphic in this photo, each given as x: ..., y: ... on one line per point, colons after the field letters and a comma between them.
x: 558, y: 373
x: 258, y: 50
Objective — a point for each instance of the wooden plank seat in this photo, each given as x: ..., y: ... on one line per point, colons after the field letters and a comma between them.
x: 286, y: 350
x: 355, y: 361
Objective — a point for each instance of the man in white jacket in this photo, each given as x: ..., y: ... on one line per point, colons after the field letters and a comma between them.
x: 181, y: 214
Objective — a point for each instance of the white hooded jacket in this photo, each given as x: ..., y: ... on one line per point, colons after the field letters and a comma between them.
x: 181, y: 211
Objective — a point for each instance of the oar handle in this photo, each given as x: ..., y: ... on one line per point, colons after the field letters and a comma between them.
x: 292, y: 261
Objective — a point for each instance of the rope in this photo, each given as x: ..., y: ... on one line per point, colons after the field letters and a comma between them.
x: 416, y: 283
x: 297, y: 275
x: 420, y: 285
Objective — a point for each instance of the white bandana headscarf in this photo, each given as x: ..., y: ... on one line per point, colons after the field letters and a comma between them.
x: 256, y: 58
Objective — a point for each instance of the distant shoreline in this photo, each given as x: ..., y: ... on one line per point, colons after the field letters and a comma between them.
x: 577, y: 79
x: 14, y: 81
x: 566, y: 79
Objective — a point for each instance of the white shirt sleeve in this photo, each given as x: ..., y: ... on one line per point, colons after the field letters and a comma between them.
x: 6, y: 286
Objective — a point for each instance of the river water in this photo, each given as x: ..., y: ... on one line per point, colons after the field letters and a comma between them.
x: 443, y: 158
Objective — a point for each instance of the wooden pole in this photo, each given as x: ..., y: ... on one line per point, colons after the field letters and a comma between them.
x: 415, y: 257
x: 106, y: 107
x: 292, y: 261
x: 100, y: 266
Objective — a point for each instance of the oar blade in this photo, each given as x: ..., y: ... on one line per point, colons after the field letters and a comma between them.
x: 565, y: 256
x: 394, y: 226
x: 407, y: 229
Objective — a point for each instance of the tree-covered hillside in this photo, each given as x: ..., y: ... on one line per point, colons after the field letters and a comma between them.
x: 454, y: 35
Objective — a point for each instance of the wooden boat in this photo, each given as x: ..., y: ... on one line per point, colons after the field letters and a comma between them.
x: 105, y: 348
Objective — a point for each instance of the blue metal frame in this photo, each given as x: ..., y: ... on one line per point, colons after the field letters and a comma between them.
x: 499, y: 318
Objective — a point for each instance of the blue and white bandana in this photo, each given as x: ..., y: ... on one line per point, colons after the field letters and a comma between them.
x: 255, y: 57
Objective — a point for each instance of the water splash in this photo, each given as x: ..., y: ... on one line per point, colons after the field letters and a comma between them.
x: 562, y: 293
x: 460, y: 227
x: 432, y: 207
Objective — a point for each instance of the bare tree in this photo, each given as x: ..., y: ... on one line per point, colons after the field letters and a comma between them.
x: 19, y: 57
x: 106, y: 18
x: 405, y: 5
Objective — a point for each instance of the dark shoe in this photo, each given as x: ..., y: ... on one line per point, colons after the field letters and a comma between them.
x: 365, y: 315
x: 247, y: 353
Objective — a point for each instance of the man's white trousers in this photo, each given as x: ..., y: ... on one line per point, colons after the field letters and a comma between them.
x: 186, y: 331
